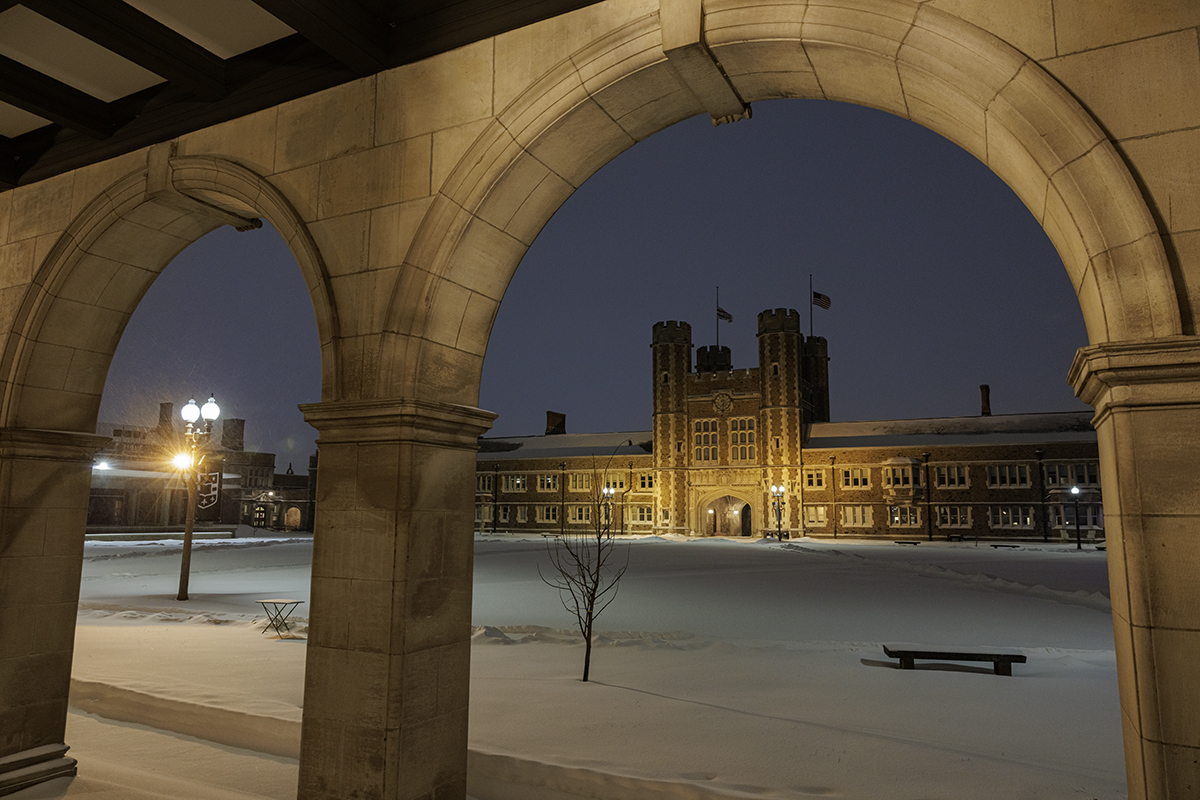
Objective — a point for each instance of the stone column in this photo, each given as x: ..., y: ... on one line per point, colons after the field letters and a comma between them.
x: 44, y: 481
x: 1147, y: 400
x: 388, y: 670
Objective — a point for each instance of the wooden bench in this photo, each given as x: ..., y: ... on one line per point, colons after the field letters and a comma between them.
x: 905, y: 541
x: 1010, y: 546
x: 1001, y: 662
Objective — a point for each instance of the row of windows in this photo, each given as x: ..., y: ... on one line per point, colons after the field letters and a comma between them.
x: 1015, y: 517
x: 999, y: 476
x: 1091, y: 515
x: 1064, y: 474
x: 735, y: 425
x: 575, y: 514
x: 548, y: 482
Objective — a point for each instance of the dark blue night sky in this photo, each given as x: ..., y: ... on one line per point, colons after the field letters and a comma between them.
x: 940, y: 279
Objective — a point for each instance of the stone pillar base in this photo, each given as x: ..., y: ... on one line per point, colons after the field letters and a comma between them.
x: 36, y: 765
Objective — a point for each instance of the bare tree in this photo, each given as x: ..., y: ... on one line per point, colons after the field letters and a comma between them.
x: 586, y: 574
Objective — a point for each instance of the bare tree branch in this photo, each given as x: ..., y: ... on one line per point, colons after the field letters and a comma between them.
x: 580, y: 559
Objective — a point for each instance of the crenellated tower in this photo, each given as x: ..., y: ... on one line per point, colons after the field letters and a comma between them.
x: 780, y: 428
x: 779, y: 354
x: 672, y: 348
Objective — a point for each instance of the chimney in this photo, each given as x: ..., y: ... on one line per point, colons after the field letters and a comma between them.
x: 985, y: 400
x: 555, y: 423
x: 233, y: 434
x: 166, y: 416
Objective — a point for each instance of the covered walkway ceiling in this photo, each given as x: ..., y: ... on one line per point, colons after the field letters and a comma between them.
x: 85, y: 80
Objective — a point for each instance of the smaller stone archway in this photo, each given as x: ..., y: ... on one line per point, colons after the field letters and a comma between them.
x: 724, y: 513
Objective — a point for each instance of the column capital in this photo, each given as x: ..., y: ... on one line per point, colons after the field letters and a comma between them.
x: 29, y: 443
x: 398, y: 420
x: 1139, y: 374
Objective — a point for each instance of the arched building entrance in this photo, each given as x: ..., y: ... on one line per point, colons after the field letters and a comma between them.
x: 409, y: 198
x: 725, y: 516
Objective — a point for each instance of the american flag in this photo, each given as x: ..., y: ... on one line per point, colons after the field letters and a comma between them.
x: 723, y: 314
x: 821, y: 300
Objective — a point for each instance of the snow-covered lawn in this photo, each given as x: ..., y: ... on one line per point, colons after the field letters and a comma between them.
x: 726, y: 669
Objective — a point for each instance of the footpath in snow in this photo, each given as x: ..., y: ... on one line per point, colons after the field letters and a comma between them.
x: 725, y: 669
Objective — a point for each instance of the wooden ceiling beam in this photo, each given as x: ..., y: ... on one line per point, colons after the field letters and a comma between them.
x: 140, y: 38
x: 344, y: 30
x: 54, y: 100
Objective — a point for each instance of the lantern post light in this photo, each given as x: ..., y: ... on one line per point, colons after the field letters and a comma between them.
x: 189, y: 465
x: 778, y: 504
x: 1075, y: 498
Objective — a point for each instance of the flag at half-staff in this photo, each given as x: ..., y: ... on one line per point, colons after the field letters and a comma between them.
x: 821, y: 300
x: 723, y: 314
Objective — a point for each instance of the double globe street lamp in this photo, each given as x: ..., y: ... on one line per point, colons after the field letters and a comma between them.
x: 778, y: 505
x: 189, y: 465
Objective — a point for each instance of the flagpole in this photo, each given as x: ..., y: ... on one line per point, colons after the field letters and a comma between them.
x: 810, y: 305
x: 718, y: 320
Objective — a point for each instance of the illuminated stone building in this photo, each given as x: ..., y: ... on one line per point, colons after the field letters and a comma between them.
x: 134, y: 488
x: 723, y: 437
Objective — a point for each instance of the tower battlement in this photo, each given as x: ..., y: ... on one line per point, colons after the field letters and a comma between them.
x: 779, y: 320
x: 672, y: 332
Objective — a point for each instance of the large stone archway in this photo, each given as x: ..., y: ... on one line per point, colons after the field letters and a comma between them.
x: 409, y: 198
x: 54, y: 363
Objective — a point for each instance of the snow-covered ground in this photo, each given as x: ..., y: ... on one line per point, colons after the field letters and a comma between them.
x: 726, y: 669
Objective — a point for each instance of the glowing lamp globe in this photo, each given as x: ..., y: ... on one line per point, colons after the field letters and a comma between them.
x: 190, y: 412
x: 210, y: 410
x: 182, y: 461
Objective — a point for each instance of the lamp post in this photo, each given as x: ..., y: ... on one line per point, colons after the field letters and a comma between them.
x: 607, y: 492
x: 833, y: 488
x: 712, y: 523
x: 1075, y: 498
x: 189, y: 466
x: 778, y: 504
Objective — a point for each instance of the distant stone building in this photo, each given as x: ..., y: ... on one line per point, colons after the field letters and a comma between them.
x: 723, y: 437
x: 134, y: 485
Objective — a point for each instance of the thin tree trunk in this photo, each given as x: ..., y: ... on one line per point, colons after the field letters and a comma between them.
x: 587, y: 648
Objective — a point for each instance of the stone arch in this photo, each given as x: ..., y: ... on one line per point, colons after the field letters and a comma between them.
x: 918, y: 62
x: 57, y: 354
x: 708, y: 498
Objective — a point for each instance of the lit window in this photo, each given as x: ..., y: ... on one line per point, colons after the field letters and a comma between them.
x: 954, y: 516
x: 814, y: 515
x: 1010, y: 516
x: 904, y: 516
x: 1091, y: 516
